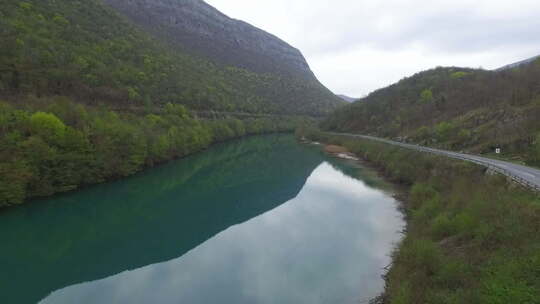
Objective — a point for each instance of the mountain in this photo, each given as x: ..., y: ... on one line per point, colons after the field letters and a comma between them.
x: 135, y: 54
x: 517, y: 64
x: 347, y: 98
x: 90, y: 93
x: 202, y: 30
x: 455, y: 108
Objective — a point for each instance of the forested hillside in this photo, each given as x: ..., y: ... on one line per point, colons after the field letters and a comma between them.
x: 56, y: 145
x: 87, y: 96
x: 88, y: 51
x: 199, y: 29
x: 455, y: 108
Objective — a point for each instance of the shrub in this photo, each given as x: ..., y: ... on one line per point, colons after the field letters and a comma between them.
x: 444, y: 296
x: 442, y: 226
x: 427, y: 211
x: 421, y: 193
x: 422, y: 254
x: 452, y: 274
x: 403, y: 295
x: 14, y: 178
x: 423, y: 133
x: 444, y: 131
x: 465, y: 223
x: 502, y: 288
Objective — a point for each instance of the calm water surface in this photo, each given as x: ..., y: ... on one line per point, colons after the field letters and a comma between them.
x: 261, y: 220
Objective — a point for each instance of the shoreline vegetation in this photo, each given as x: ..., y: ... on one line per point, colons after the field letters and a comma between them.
x: 52, y: 145
x: 472, y: 237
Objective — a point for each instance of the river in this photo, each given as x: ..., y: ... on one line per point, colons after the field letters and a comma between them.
x: 258, y: 220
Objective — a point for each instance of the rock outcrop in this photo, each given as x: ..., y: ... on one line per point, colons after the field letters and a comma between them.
x: 200, y: 29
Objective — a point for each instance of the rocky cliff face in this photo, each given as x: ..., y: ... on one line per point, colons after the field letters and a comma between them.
x: 202, y: 30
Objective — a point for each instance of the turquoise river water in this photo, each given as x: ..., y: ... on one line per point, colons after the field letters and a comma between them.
x: 258, y: 220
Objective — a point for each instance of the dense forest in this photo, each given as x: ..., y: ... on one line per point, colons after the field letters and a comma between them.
x: 86, y: 50
x: 455, y: 108
x: 86, y: 96
x: 56, y: 145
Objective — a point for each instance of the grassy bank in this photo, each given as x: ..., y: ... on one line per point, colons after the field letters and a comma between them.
x: 51, y: 145
x: 472, y: 237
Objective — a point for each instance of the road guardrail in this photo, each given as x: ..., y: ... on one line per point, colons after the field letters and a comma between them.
x: 461, y: 156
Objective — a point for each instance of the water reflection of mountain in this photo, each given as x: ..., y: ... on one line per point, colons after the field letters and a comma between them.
x: 150, y: 218
x: 355, y: 169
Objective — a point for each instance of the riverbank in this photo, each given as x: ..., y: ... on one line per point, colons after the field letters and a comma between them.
x: 207, y: 211
x: 472, y: 237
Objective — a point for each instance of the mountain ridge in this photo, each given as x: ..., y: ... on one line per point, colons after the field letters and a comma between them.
x: 96, y: 54
x: 347, y: 98
x: 201, y: 29
x: 517, y: 64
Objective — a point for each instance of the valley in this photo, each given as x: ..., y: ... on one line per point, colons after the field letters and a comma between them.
x: 147, y: 152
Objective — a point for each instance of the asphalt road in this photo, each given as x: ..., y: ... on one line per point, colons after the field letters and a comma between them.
x: 527, y: 176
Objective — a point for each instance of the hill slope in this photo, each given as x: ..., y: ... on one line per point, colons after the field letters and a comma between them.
x: 455, y: 108
x: 202, y: 30
x: 519, y: 63
x: 87, y: 96
x: 88, y: 51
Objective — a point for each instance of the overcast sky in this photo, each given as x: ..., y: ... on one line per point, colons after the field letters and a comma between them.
x: 357, y: 46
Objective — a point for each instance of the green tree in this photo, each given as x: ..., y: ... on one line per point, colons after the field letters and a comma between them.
x: 176, y: 109
x: 47, y: 126
x: 237, y: 127
x: 14, y: 179
x: 426, y: 95
x: 422, y: 134
x: 536, y: 150
x: 444, y: 131
x: 42, y: 160
x: 459, y: 75
x: 66, y: 145
x: 463, y: 136
x: 133, y: 94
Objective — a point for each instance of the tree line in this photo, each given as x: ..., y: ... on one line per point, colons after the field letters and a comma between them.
x: 55, y: 145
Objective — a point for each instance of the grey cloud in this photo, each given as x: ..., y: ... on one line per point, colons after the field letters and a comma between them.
x: 337, y: 35
x: 456, y: 30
